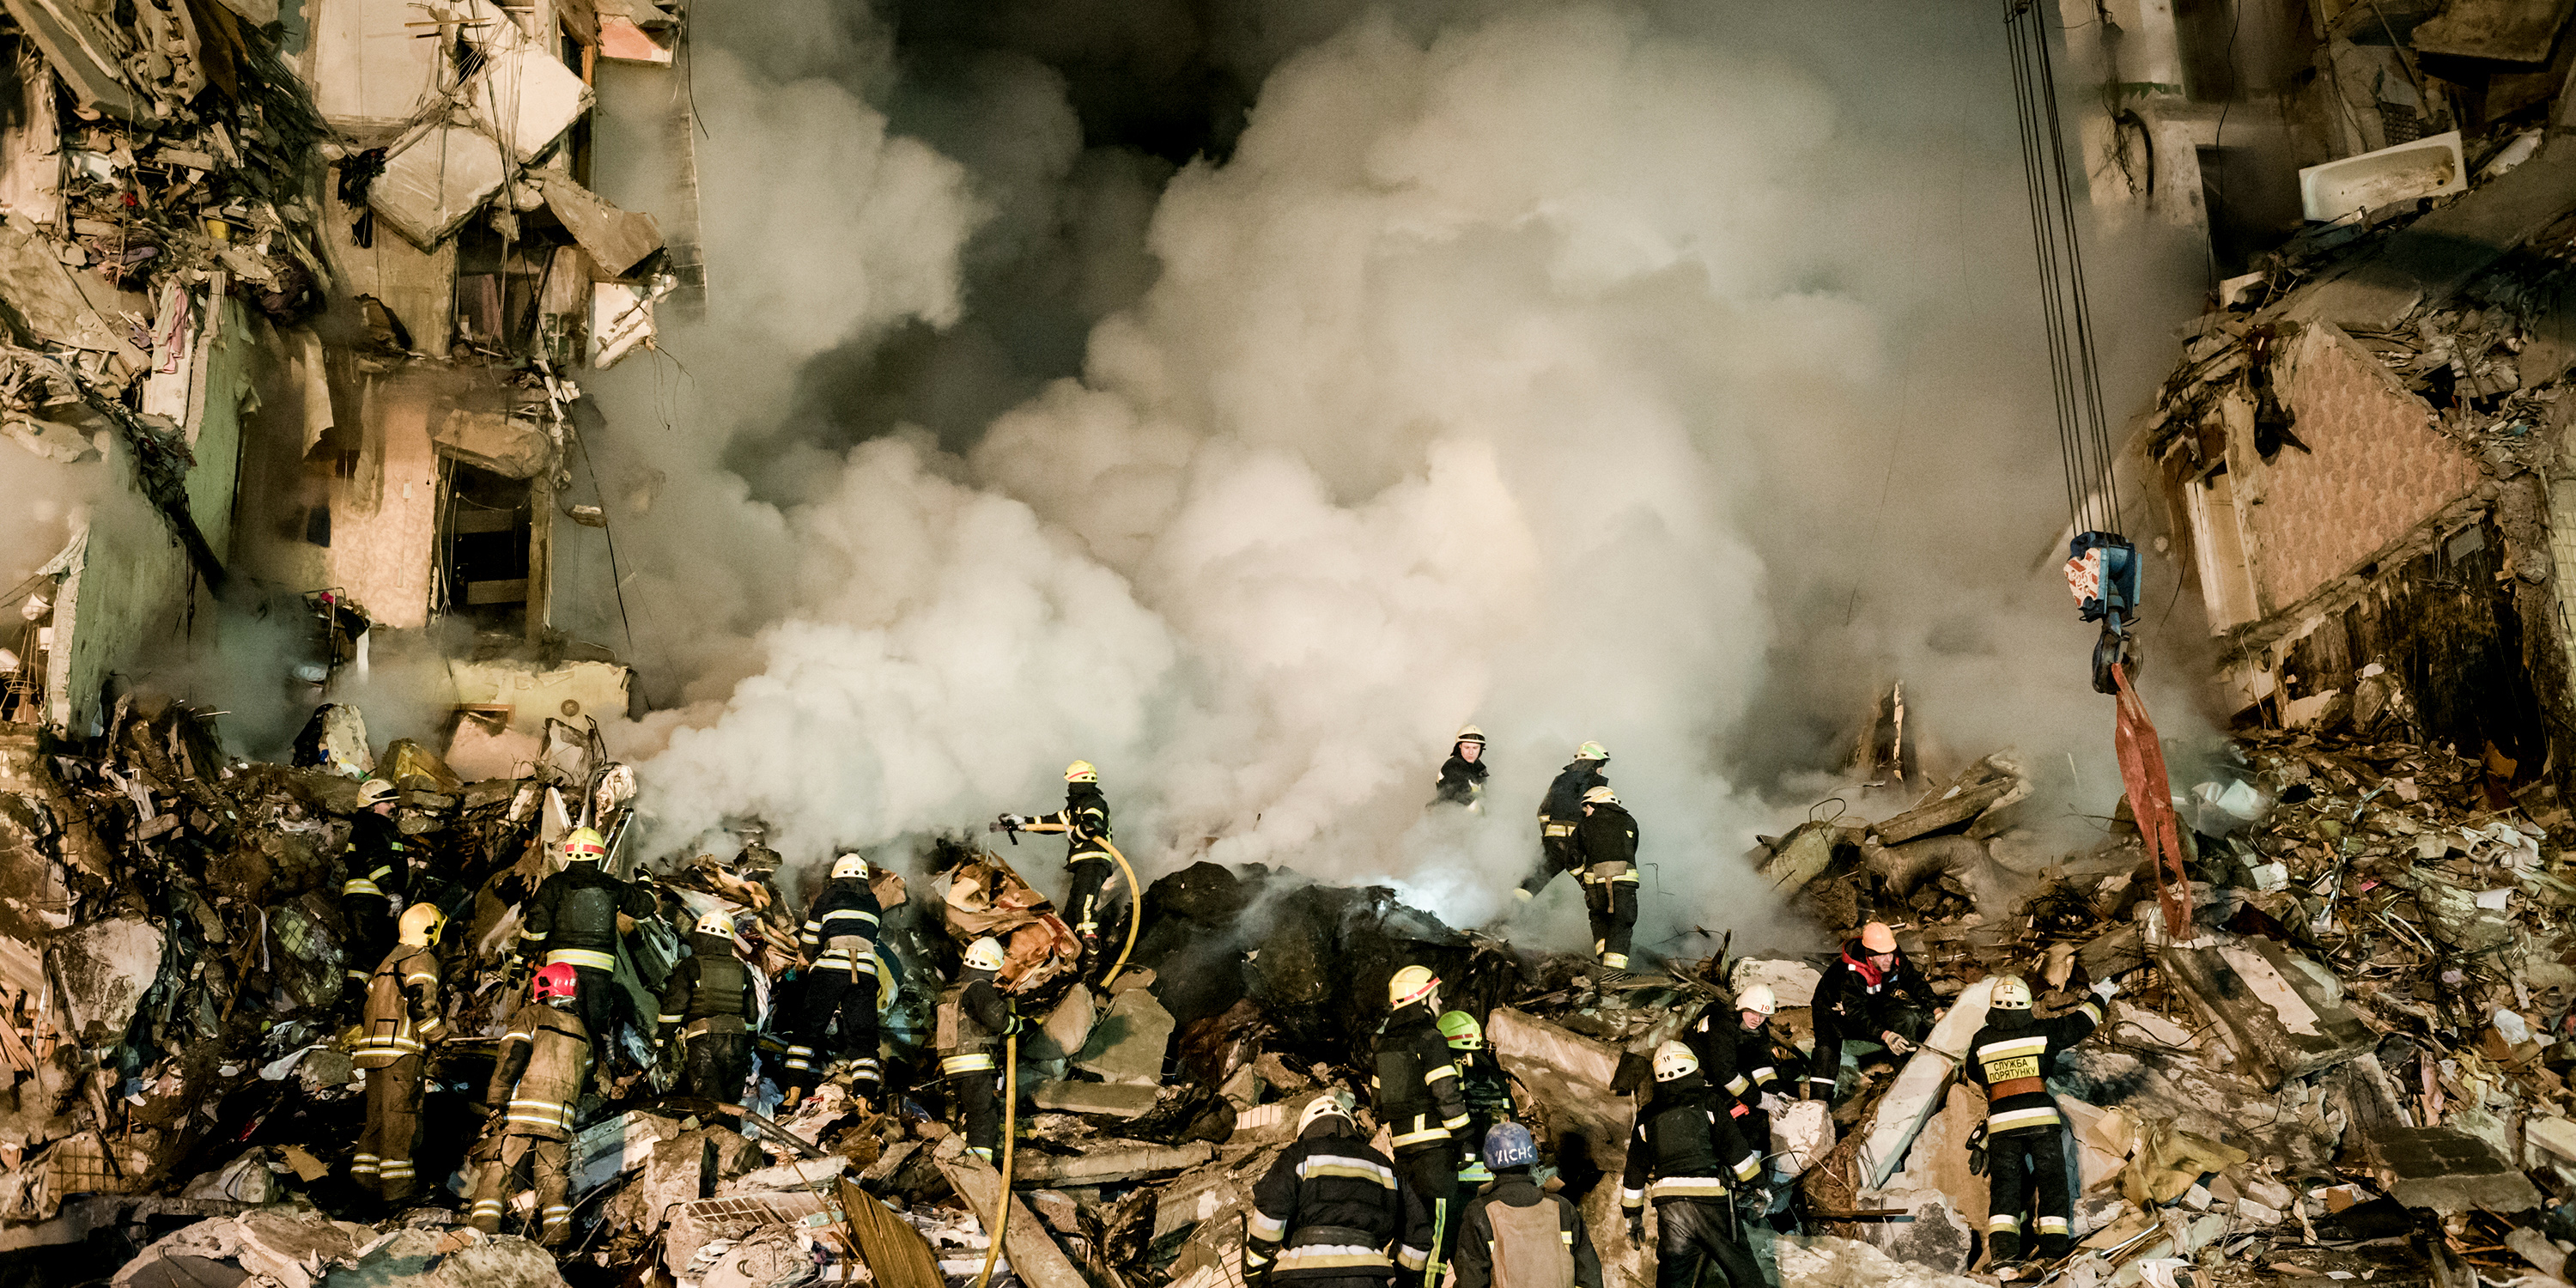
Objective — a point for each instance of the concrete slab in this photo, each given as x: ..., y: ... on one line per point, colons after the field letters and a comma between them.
x: 1918, y: 1092
x: 1129, y: 1043
x: 1794, y: 982
x: 1116, y: 1099
x: 105, y: 968
x: 1571, y: 1075
x: 1032, y: 1251
x: 2512, y: 31
x: 2282, y: 1014
x: 2450, y: 1171
x: 2437, y: 254
x: 1102, y: 1166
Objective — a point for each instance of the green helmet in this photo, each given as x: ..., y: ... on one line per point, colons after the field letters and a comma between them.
x: 1592, y: 751
x: 1462, y: 1030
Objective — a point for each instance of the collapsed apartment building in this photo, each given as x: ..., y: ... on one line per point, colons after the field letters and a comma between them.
x: 318, y: 287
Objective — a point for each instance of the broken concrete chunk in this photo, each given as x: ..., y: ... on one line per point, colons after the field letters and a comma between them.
x: 1116, y: 1099
x: 1828, y: 1262
x: 1102, y: 1166
x: 524, y: 96
x: 2451, y: 1171
x: 616, y: 240
x: 2282, y: 1014
x: 435, y: 181
x: 1792, y: 982
x: 1128, y: 1044
x: 1033, y: 1253
x: 105, y: 968
x: 1911, y: 1100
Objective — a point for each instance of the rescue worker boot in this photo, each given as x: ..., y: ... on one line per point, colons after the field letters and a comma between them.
x: 2003, y: 1247
x: 2054, y: 1247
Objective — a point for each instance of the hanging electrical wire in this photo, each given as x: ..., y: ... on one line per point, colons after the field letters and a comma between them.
x: 2102, y: 565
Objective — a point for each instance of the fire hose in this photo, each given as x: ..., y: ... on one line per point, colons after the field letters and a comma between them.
x: 1010, y: 1129
x: 1136, y: 914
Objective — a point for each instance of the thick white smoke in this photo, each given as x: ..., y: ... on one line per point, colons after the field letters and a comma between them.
x: 1536, y: 370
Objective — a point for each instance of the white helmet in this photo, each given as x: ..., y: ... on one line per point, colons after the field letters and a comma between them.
x: 2010, y: 994
x: 1759, y: 998
x: 719, y: 924
x: 984, y: 954
x: 1674, y: 1060
x: 849, y: 865
x: 1327, y: 1105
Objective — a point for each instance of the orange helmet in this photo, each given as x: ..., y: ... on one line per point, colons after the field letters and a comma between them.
x: 1877, y: 938
x: 555, y: 980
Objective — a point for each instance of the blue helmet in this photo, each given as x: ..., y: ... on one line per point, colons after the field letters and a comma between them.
x: 1510, y: 1145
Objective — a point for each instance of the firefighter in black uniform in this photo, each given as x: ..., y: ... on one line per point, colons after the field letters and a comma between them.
x: 1686, y: 1155
x: 1483, y: 1086
x: 709, y: 1005
x: 2009, y: 1057
x: 1517, y: 1235
x: 1330, y: 1213
x: 1462, y: 776
x: 974, y: 1017
x: 1085, y: 821
x: 1560, y: 813
x: 1418, y: 1100
x: 378, y: 872
x: 577, y: 918
x: 1606, y: 840
x: 1871, y: 993
x: 839, y: 940
x: 1735, y: 1053
x: 535, y: 1091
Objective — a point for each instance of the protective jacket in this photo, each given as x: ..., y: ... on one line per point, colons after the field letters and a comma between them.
x: 1085, y: 818
x: 1416, y: 1083
x: 1855, y: 1000
x: 2009, y: 1057
x: 841, y: 926
x: 1686, y: 1146
x: 1607, y: 835
x: 1462, y: 781
x: 973, y: 1019
x: 1330, y: 1208
x: 573, y: 916
x: 402, y: 1016
x: 377, y: 863
x: 1731, y: 1056
x: 1519, y: 1236
x: 710, y: 992
x: 1564, y: 803
x: 545, y: 1058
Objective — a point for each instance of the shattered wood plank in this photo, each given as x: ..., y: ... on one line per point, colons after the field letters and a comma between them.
x: 1034, y: 1256
x: 1101, y: 1166
x: 895, y: 1253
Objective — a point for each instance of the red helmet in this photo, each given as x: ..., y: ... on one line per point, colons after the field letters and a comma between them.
x: 557, y: 980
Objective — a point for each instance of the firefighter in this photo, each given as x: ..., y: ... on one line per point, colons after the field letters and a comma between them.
x: 1516, y: 1235
x: 1560, y: 813
x: 1606, y: 842
x: 1481, y: 1085
x: 1085, y: 820
x: 545, y: 1059
x: 2009, y: 1057
x: 839, y: 939
x: 576, y: 919
x: 378, y: 873
x: 1462, y: 776
x: 1330, y: 1212
x: 974, y: 1017
x: 1416, y: 1087
x: 1871, y: 993
x: 710, y: 1005
x: 402, y: 1018
x: 1686, y: 1155
x: 1735, y: 1053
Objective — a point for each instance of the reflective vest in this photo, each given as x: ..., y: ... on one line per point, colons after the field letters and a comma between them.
x: 543, y: 1098
x: 402, y: 1016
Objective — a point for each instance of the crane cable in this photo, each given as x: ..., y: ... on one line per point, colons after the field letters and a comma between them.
x: 2084, y: 437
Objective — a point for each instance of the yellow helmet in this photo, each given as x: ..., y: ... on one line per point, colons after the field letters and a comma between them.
x: 849, y: 865
x: 984, y: 954
x: 584, y: 845
x: 1674, y: 1060
x: 1081, y: 771
x: 1592, y: 751
x: 422, y: 924
x: 719, y: 924
x: 1410, y: 985
x: 2011, y: 994
x: 1601, y: 795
